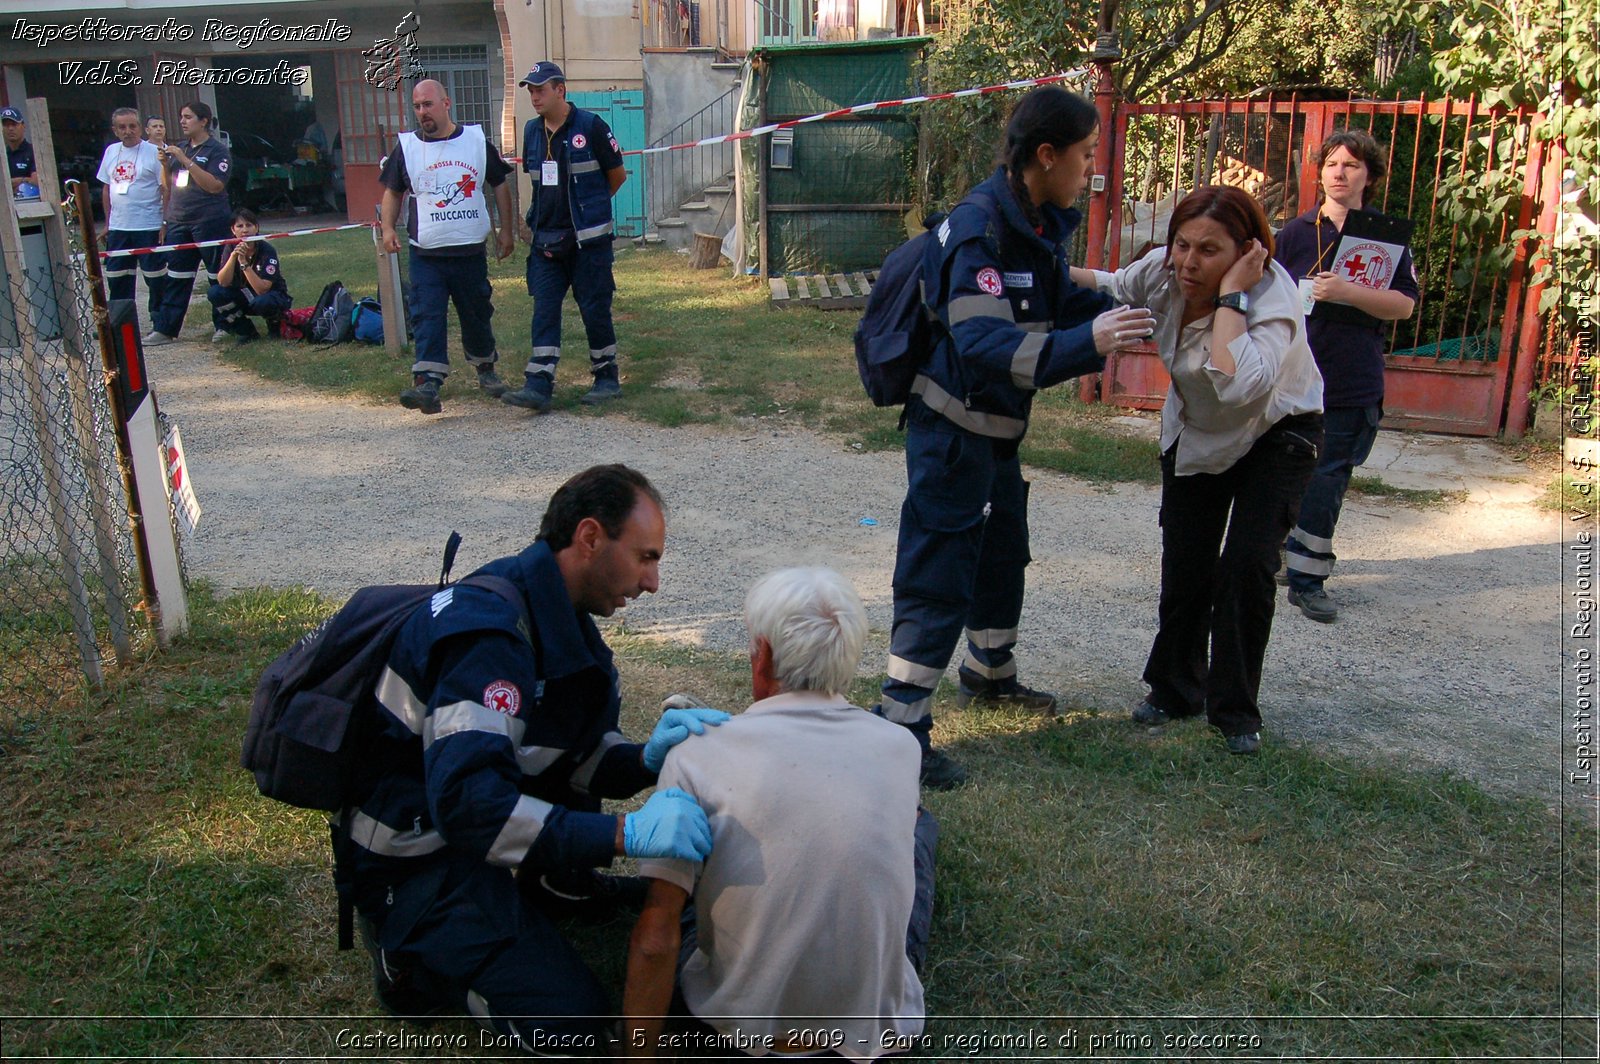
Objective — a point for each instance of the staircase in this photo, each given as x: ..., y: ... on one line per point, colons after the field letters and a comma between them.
x: 712, y: 211
x: 692, y: 190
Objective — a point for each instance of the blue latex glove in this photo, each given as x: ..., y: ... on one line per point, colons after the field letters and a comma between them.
x: 674, y: 727
x: 671, y: 824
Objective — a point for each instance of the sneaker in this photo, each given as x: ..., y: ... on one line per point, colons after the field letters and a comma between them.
x: 1005, y: 694
x: 489, y: 382
x: 940, y: 772
x: 220, y: 335
x: 1145, y: 713
x: 606, y: 387
x: 154, y: 338
x: 1315, y: 604
x: 533, y: 395
x: 584, y: 894
x: 423, y: 395
x: 1248, y: 743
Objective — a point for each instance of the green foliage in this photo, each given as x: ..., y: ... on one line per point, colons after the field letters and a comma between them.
x: 1542, y: 57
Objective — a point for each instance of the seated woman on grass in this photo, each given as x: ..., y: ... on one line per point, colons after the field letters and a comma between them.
x: 249, y: 283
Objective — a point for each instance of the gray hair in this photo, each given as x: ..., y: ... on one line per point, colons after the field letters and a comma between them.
x: 815, y: 623
x: 119, y: 112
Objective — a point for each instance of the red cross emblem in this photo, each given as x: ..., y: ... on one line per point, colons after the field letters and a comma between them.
x: 502, y: 696
x: 1355, y: 266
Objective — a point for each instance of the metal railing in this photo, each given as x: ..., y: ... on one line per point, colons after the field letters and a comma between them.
x: 675, y: 177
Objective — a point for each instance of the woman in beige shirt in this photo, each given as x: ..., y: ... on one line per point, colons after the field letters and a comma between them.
x: 1240, y: 432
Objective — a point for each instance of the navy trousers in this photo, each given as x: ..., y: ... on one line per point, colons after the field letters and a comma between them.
x: 120, y: 269
x: 233, y: 306
x: 587, y: 272
x: 467, y: 945
x: 1219, y: 591
x: 166, y: 316
x: 959, y: 564
x: 1347, y: 441
x: 436, y: 282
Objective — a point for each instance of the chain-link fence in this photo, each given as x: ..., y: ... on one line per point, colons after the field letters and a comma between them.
x: 66, y: 552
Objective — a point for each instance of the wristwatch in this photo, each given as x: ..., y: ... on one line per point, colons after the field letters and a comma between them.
x: 1235, y: 301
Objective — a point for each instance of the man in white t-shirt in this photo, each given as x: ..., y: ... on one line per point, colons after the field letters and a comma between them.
x: 811, y: 915
x: 133, y: 193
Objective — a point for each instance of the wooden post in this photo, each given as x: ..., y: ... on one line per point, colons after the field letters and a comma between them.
x: 389, y: 295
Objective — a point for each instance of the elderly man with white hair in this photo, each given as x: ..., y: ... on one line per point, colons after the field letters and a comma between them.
x: 810, y: 919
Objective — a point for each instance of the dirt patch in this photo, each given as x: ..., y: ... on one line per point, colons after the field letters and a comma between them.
x: 1445, y: 656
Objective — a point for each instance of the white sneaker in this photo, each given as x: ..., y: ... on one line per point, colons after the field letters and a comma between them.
x: 155, y: 338
x: 219, y: 336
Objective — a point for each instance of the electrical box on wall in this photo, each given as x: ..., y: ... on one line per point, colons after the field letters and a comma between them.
x: 1097, y: 183
x: 783, y: 149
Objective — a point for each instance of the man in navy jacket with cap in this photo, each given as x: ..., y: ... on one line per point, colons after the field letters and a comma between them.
x: 576, y: 166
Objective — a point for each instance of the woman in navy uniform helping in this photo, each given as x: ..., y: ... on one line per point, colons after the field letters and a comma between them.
x: 1013, y: 322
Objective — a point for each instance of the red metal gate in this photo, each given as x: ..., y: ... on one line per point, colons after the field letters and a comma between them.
x: 1471, y: 344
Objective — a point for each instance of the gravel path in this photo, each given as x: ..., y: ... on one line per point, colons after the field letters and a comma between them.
x: 1445, y: 656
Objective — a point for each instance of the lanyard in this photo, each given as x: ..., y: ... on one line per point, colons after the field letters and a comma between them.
x: 1320, y: 219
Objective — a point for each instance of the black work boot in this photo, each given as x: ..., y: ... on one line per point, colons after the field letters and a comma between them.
x: 423, y: 394
x: 1005, y: 694
x: 607, y: 386
x: 489, y: 382
x: 940, y: 771
x: 582, y: 893
x: 533, y: 395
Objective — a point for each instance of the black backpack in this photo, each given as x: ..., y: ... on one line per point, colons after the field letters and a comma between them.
x: 305, y: 729
x: 331, y: 318
x: 898, y: 329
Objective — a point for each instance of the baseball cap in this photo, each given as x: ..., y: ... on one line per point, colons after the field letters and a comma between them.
x: 543, y: 72
x: 11, y: 114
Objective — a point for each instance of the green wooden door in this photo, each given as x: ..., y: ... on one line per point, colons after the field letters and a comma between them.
x: 624, y: 113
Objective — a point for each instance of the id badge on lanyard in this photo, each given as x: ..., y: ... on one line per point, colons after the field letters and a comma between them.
x: 550, y: 173
x: 181, y: 180
x: 120, y: 188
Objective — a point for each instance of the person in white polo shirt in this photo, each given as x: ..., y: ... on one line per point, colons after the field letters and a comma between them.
x: 133, y: 193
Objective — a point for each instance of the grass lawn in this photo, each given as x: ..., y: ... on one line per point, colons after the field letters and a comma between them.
x: 1112, y: 891
x: 698, y: 346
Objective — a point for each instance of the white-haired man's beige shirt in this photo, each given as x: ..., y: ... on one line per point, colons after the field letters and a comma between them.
x: 802, y: 908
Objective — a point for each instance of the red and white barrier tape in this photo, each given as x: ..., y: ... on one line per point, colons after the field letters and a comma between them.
x: 236, y: 240
x: 861, y: 108
x: 743, y: 134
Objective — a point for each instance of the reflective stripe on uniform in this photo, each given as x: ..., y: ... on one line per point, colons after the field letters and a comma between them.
x: 521, y: 828
x: 377, y: 837
x: 1320, y: 544
x: 997, y: 672
x: 902, y: 713
x: 585, y: 167
x: 910, y: 672
x: 584, y: 773
x: 593, y: 231
x: 396, y: 696
x: 1025, y: 360
x: 533, y: 760
x: 992, y: 638
x: 458, y: 717
x: 965, y: 308
x: 1299, y: 563
x: 943, y: 403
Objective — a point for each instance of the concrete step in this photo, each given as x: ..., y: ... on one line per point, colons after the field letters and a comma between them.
x: 698, y: 206
x: 718, y: 190
x: 672, y: 223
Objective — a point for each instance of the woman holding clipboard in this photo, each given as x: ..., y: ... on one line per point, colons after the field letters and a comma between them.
x: 1346, y: 323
